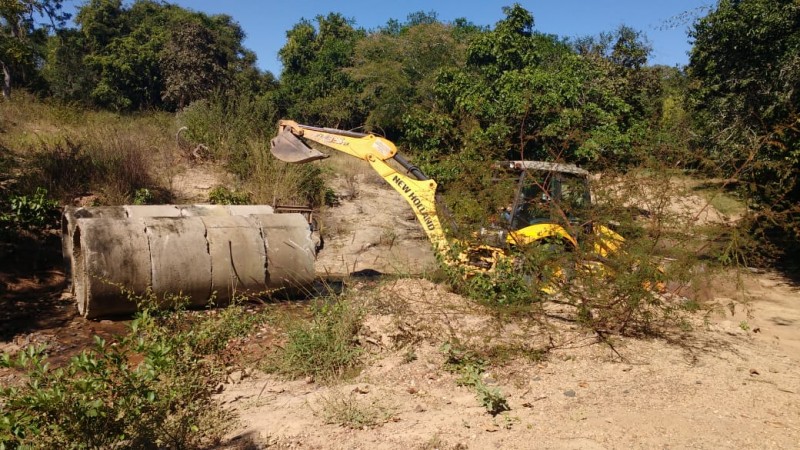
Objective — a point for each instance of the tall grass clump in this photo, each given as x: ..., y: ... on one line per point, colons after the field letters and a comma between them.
x: 149, y: 389
x: 237, y: 131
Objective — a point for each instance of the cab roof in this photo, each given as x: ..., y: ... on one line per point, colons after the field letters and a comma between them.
x: 543, y: 166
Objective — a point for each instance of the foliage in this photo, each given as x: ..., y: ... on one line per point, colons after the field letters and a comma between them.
x: 25, y: 25
x: 221, y: 195
x: 152, y: 387
x: 68, y: 78
x: 470, y: 367
x: 397, y: 70
x: 744, y: 69
x: 30, y: 212
x: 147, y: 54
x: 524, y: 94
x: 324, y: 347
x: 142, y: 196
x: 314, y: 88
x: 192, y: 64
x: 505, y: 285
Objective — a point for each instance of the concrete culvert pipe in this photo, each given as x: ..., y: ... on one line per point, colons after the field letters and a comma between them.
x: 109, y: 254
x: 194, y: 256
x: 179, y: 257
x: 238, y: 257
x: 69, y: 219
x: 290, y: 251
x: 72, y: 213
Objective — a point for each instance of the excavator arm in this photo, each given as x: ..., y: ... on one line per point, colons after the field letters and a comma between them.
x: 418, y: 190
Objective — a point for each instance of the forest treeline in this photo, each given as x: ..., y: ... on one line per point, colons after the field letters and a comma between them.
x: 454, y: 94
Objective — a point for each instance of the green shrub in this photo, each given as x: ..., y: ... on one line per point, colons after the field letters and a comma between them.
x: 221, y: 195
x: 142, y: 196
x: 30, y: 212
x: 150, y: 389
x: 518, y: 281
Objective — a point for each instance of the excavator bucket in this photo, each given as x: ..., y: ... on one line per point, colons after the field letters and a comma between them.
x: 289, y: 148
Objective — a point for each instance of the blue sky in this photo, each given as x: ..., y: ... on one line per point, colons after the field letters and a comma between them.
x: 266, y: 21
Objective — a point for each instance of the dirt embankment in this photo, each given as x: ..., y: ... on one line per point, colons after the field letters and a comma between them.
x: 372, y: 229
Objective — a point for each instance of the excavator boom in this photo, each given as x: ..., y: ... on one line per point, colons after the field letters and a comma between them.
x: 418, y: 190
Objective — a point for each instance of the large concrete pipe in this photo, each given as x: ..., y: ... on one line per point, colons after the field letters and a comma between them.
x: 72, y: 213
x: 179, y: 259
x: 291, y: 251
x: 109, y: 255
x: 203, y: 258
x: 68, y: 220
x: 238, y: 256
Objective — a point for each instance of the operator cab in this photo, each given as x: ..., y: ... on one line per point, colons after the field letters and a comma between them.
x: 545, y: 193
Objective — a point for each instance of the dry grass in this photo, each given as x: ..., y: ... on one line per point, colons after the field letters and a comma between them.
x: 347, y: 410
x: 72, y: 152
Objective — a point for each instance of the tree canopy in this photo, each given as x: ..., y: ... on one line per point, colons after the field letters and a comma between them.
x: 745, y: 72
x: 453, y: 93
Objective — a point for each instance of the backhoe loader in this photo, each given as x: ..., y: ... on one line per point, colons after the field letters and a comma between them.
x: 543, y: 188
x: 208, y: 252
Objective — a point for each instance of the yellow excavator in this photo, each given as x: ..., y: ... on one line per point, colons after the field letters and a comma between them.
x: 529, y: 219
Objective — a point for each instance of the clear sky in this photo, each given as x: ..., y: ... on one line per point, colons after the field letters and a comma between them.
x: 664, y: 22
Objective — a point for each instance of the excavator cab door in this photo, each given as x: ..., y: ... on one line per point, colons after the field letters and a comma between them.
x: 289, y: 148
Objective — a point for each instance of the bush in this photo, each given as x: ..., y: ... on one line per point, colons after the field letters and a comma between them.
x: 221, y: 195
x: 151, y: 388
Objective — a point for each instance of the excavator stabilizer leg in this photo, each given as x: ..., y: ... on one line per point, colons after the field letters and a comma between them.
x: 289, y: 148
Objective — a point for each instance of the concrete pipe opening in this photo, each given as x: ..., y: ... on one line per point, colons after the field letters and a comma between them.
x: 112, y: 260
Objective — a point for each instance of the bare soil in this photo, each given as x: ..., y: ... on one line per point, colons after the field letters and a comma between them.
x: 732, y: 382
x: 372, y: 230
x: 729, y: 382
x: 194, y: 182
x: 36, y: 309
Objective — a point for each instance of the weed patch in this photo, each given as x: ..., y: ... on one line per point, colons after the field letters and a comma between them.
x: 150, y: 388
x: 36, y: 211
x: 221, y: 195
x: 352, y: 412
x: 324, y: 347
x: 470, y: 367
